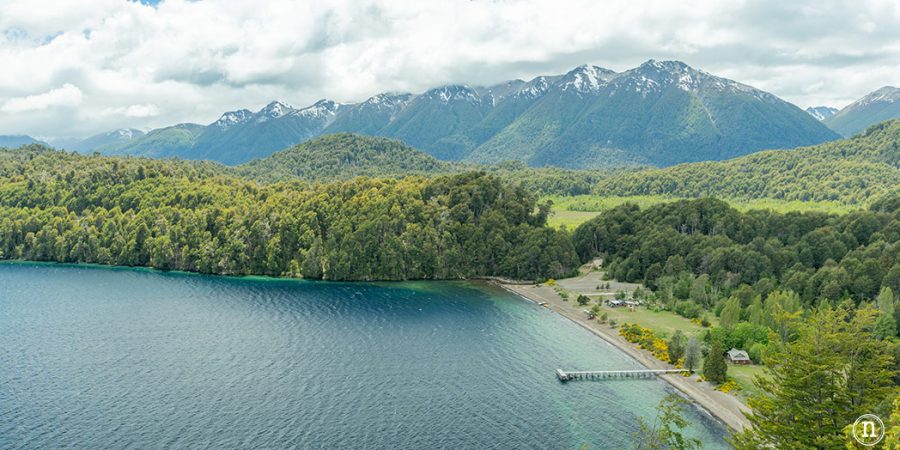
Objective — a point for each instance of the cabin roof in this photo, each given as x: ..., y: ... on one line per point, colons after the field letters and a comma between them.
x: 736, y: 354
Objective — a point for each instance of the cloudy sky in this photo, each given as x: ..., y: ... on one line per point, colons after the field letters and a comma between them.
x: 79, y: 67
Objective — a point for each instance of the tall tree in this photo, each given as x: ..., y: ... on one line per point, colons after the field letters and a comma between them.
x: 692, y: 354
x: 676, y: 346
x: 731, y: 313
x: 714, y: 367
x: 885, y: 325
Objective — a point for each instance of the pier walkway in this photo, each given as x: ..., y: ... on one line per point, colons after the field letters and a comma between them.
x: 620, y: 374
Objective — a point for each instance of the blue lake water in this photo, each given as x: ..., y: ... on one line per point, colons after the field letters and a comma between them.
x: 119, y: 358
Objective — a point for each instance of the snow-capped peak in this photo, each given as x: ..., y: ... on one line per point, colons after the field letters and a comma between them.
x: 534, y: 88
x: 387, y: 100
x: 233, y: 117
x: 821, y: 112
x: 273, y: 110
x: 653, y: 74
x: 321, y: 109
x: 887, y: 94
x: 587, y: 79
x: 124, y: 133
x: 453, y: 92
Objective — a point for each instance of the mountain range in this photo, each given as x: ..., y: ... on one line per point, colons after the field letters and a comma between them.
x: 660, y: 113
x: 102, y: 140
x: 878, y: 106
x: 12, y: 141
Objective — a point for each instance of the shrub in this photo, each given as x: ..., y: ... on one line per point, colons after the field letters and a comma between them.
x: 757, y: 352
x: 688, y: 309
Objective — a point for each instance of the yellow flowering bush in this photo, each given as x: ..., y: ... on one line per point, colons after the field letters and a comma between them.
x: 660, y: 349
x: 728, y: 386
x: 646, y: 339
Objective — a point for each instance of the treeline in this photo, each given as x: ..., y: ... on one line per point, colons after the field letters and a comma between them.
x: 850, y: 171
x: 706, y: 250
x: 62, y: 207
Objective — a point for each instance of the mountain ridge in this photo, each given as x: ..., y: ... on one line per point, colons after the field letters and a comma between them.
x: 660, y: 113
x: 875, y: 107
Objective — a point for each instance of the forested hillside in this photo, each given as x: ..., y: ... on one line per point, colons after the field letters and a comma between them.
x: 344, y: 156
x: 707, y: 246
x: 56, y: 206
x: 852, y: 171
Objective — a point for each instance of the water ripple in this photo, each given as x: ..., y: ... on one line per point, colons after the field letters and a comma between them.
x: 94, y: 358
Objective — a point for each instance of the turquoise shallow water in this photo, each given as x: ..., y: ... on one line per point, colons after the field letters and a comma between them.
x: 100, y: 358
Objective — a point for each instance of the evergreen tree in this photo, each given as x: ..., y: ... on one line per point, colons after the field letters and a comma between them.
x: 715, y: 368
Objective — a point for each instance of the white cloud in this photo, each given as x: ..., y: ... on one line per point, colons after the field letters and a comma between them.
x: 143, y: 66
x: 148, y: 110
x: 67, y: 95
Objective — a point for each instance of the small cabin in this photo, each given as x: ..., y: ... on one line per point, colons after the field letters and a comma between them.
x: 736, y: 356
x: 614, y: 303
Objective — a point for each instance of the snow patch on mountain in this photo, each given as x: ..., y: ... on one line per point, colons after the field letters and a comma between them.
x: 454, y: 92
x: 586, y: 79
x: 232, y: 118
x: 387, y: 101
x: 322, y: 109
x: 273, y: 110
x: 821, y: 112
x: 887, y: 94
x: 535, y: 88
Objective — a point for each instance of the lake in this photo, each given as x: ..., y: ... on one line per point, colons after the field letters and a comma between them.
x: 123, y: 358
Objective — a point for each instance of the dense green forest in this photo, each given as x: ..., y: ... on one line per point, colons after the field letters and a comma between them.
x: 705, y: 245
x: 344, y: 156
x: 851, y: 171
x: 56, y: 206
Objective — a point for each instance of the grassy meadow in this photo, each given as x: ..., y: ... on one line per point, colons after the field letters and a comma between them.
x: 571, y: 211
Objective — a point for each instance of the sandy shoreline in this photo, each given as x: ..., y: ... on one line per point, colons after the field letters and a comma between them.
x: 724, y: 407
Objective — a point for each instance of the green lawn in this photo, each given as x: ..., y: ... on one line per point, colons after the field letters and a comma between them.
x: 663, y: 323
x: 569, y: 219
x: 572, y: 211
x: 743, y: 376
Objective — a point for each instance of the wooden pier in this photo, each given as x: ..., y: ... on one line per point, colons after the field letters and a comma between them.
x: 614, y: 374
